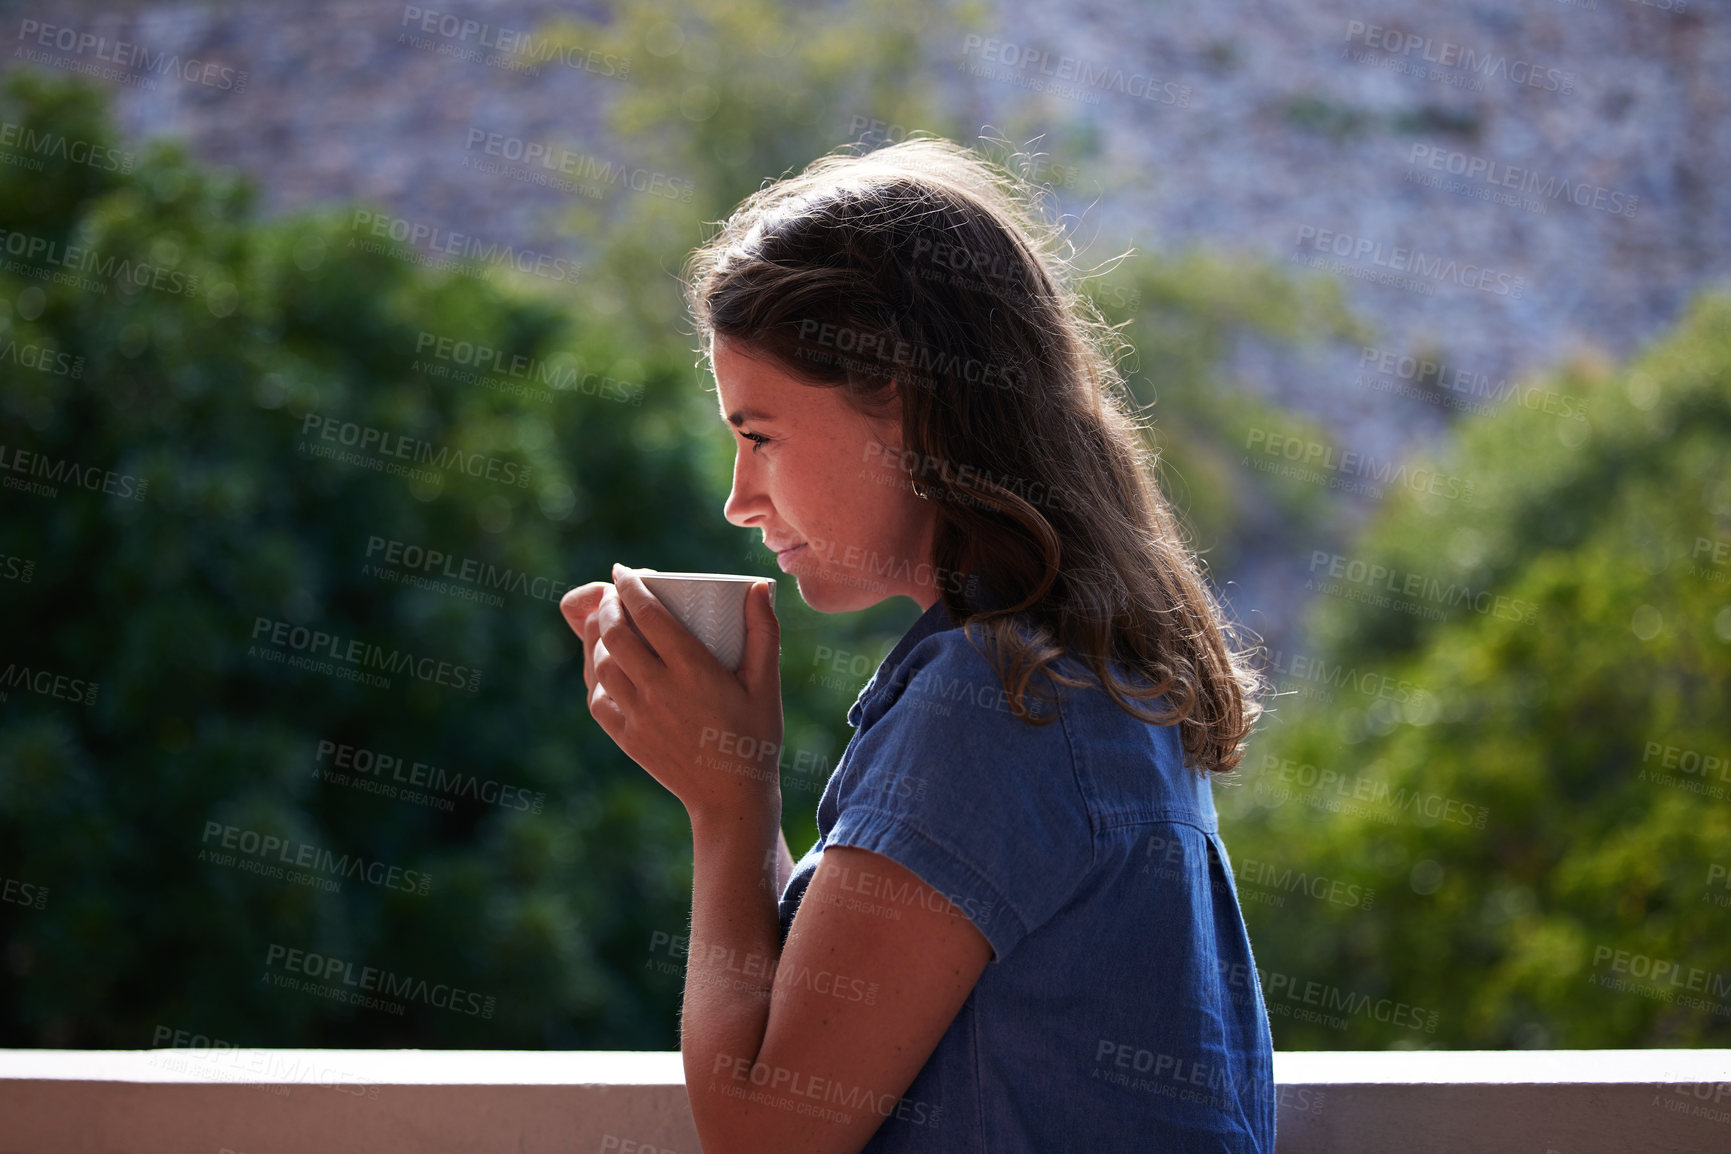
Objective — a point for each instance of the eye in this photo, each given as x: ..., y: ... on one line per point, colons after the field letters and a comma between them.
x: 758, y: 440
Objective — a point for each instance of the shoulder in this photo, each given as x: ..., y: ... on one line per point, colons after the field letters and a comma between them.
x: 945, y: 726
x: 959, y: 667
x: 982, y: 805
x: 1119, y: 766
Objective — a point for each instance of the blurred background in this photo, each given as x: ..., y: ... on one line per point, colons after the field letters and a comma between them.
x: 338, y: 340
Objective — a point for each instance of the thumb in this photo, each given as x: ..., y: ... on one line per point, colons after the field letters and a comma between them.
x: 762, y: 638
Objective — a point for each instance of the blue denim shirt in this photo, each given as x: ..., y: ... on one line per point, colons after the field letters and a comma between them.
x: 1121, y: 1008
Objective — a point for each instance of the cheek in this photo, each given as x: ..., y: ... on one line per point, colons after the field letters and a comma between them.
x: 800, y: 484
x: 826, y: 492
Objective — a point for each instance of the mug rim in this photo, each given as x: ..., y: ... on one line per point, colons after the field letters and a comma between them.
x: 647, y: 577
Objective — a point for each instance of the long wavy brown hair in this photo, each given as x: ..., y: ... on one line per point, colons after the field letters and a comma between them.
x: 926, y: 264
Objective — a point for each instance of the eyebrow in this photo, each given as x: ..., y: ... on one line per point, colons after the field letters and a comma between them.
x: 740, y: 416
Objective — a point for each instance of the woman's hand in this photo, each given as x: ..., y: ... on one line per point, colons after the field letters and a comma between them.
x: 711, y: 736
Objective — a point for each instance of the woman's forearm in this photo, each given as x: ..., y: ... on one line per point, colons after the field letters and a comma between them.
x: 783, y: 862
x: 735, y: 948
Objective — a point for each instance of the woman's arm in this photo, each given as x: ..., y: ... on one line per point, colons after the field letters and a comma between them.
x: 807, y: 1049
x: 810, y: 1049
x: 784, y: 862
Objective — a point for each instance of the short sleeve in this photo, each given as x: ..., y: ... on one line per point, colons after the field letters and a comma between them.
x: 980, y: 805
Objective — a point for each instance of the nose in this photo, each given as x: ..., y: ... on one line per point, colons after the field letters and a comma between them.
x: 747, y: 503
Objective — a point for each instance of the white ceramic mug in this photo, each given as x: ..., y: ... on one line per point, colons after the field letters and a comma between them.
x: 711, y: 605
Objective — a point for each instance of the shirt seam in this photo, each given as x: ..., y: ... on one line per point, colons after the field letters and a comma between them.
x: 1094, y: 826
x: 979, y: 1075
x: 1103, y: 820
x: 999, y: 900
x: 1177, y: 816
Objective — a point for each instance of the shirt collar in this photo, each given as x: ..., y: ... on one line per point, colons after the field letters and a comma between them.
x: 975, y: 595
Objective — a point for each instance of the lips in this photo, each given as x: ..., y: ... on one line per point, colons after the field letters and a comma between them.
x: 783, y: 556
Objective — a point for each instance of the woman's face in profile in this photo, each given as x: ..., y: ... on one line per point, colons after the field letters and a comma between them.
x: 824, y: 485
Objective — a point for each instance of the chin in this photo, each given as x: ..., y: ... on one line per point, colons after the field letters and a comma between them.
x: 832, y: 594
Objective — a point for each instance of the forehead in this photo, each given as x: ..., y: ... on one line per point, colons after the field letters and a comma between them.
x: 747, y: 389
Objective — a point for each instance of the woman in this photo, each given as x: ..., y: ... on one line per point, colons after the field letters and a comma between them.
x: 1018, y: 930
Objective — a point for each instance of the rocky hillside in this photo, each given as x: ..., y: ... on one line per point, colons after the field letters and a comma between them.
x: 1503, y: 185
x: 1498, y: 186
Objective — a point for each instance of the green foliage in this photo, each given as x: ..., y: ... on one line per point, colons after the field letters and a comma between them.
x: 1183, y: 315
x: 1325, y: 117
x: 1510, y: 772
x: 206, y: 394
x: 210, y: 390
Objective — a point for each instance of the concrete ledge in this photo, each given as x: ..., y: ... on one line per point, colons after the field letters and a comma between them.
x: 1495, y: 1101
x: 522, y: 1102
x: 255, y: 1101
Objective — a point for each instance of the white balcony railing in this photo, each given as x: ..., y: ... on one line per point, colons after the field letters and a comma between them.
x: 518, y: 1102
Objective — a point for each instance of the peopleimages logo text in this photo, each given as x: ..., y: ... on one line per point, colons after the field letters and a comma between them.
x: 36, y: 255
x: 484, y: 574
x: 48, y: 683
x: 78, y: 42
x: 1450, y: 54
x: 68, y: 471
x: 1399, y: 259
x: 1322, y: 781
x: 387, y: 444
x: 305, y: 855
x: 45, y: 142
x: 1371, y: 575
x: 358, y: 763
x: 462, y: 246
x: 1502, y: 175
x: 287, y: 635
x: 515, y: 42
x: 372, y: 979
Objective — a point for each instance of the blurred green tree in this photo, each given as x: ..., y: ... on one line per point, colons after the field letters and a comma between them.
x: 1499, y: 795
x: 209, y: 391
x: 207, y: 395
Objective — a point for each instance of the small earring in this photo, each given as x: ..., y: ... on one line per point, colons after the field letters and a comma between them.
x: 918, y: 491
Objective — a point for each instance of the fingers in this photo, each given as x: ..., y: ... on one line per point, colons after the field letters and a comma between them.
x: 607, y: 714
x: 578, y: 608
x: 622, y: 658
x: 580, y: 602
x: 762, y: 638
x: 590, y: 632
x: 659, y: 627
x: 612, y: 684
